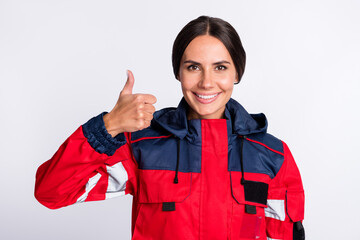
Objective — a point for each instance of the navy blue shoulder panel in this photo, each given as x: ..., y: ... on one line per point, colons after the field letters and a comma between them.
x: 262, y: 155
x: 269, y: 140
x: 98, y: 137
x: 156, y: 148
x: 162, y: 154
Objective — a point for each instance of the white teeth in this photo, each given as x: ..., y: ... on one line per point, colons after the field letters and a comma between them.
x: 207, y: 96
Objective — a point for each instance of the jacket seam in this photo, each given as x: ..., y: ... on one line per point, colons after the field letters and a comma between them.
x: 147, y: 138
x: 264, y: 145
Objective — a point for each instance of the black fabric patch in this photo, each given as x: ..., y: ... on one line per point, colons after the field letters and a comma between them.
x: 168, y: 206
x: 298, y: 231
x: 250, y: 209
x: 256, y: 191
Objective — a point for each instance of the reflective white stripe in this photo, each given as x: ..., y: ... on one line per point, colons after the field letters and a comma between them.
x: 89, y: 185
x: 275, y: 209
x: 273, y: 239
x: 117, y: 180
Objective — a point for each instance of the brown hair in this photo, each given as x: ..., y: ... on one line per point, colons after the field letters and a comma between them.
x: 216, y: 27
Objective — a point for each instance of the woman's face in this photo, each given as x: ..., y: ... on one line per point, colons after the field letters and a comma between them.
x: 207, y: 75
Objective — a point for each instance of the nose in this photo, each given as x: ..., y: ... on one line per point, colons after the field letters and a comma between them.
x: 207, y: 80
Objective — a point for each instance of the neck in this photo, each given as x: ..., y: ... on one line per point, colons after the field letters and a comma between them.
x: 191, y: 114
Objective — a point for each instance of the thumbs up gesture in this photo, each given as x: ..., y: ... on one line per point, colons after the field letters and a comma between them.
x: 132, y: 112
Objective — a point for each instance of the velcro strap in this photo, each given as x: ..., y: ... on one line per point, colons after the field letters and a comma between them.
x: 250, y: 209
x: 256, y: 191
x: 168, y: 206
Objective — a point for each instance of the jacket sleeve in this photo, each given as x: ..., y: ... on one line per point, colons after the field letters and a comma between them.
x: 285, y: 211
x: 90, y: 165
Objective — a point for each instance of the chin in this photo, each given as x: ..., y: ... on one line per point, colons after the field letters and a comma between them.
x: 205, y: 113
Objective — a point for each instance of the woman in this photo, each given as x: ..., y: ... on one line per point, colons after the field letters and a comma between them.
x: 204, y: 170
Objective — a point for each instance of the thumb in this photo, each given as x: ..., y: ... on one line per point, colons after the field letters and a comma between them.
x: 129, y: 84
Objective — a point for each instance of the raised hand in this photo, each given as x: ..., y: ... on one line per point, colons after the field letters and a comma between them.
x: 132, y: 112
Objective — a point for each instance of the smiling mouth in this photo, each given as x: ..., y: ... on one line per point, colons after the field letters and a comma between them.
x: 206, y: 97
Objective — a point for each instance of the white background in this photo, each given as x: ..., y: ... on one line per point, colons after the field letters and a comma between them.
x: 63, y: 62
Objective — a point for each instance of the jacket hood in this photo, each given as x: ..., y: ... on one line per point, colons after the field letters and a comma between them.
x: 239, y: 121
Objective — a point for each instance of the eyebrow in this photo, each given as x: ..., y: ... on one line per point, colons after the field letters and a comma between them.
x: 216, y: 63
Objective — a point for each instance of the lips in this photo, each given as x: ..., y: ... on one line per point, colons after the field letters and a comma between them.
x: 206, y: 98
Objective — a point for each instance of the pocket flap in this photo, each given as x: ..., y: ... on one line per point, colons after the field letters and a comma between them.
x: 295, y: 205
x: 253, y: 192
x: 157, y: 186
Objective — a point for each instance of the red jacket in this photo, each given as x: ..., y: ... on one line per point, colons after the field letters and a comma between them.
x: 190, y: 179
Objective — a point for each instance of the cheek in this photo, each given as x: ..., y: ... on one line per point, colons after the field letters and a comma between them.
x: 227, y: 84
x: 226, y: 79
x: 229, y: 91
x: 187, y: 82
x: 185, y: 85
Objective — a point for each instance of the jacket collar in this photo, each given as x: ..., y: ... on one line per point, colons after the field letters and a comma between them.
x: 239, y: 121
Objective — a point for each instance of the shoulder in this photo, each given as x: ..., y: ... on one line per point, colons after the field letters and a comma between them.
x: 268, y: 141
x: 267, y: 150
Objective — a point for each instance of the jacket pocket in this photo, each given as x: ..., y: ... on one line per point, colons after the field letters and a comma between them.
x: 295, y: 205
x: 250, y: 199
x: 163, y: 212
x: 157, y: 186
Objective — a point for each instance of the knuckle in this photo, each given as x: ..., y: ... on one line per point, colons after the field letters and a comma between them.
x: 140, y: 114
x: 140, y: 124
x: 140, y: 105
x: 139, y: 98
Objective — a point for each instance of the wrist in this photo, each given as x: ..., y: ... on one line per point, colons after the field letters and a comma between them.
x: 109, y: 125
x: 99, y: 138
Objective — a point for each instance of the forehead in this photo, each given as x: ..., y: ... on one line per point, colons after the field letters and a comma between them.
x: 206, y: 48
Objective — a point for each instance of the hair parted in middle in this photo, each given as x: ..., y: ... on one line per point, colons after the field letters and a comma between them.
x: 216, y: 27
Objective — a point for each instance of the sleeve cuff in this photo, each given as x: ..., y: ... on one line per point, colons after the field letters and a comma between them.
x: 98, y: 137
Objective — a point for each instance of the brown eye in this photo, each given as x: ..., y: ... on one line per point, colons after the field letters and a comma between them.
x: 221, y: 67
x: 193, y: 67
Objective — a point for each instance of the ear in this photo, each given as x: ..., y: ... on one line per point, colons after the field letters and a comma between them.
x: 236, y: 80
